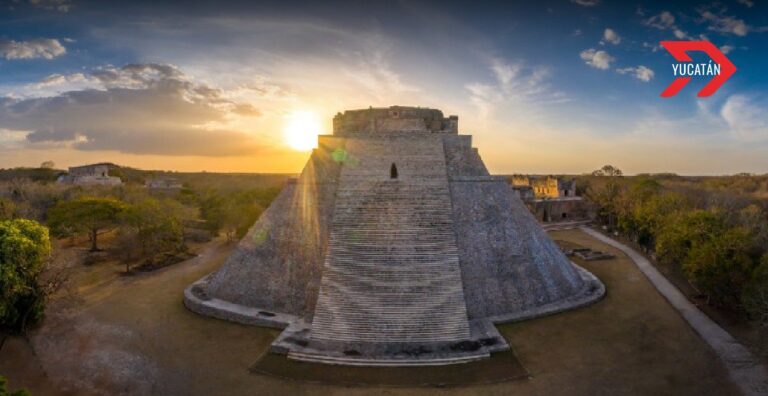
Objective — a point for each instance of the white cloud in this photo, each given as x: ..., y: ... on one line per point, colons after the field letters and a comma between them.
x: 725, y: 24
x: 726, y: 49
x: 680, y: 34
x: 516, y: 85
x: 31, y: 49
x: 138, y: 108
x: 597, y: 59
x: 745, y: 117
x: 663, y: 21
x: 586, y: 3
x: 374, y: 73
x: 641, y: 72
x: 747, y: 3
x: 666, y: 21
x: 611, y: 36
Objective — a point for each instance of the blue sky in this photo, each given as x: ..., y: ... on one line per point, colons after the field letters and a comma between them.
x: 545, y: 87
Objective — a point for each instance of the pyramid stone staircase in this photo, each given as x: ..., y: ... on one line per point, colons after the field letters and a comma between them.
x: 392, y: 271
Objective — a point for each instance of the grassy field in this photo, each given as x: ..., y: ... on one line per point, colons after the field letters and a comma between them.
x: 134, y: 336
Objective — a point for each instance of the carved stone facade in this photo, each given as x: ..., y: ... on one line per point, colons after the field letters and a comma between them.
x: 546, y: 186
x: 551, y: 199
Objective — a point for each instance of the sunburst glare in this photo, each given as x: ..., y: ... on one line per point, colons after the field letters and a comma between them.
x: 301, y: 130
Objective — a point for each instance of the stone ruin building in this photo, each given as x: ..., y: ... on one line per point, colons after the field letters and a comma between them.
x: 94, y: 174
x: 552, y: 199
x: 545, y: 187
x: 394, y: 247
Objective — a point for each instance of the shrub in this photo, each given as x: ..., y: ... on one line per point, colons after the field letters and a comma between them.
x: 4, y: 390
x: 755, y: 296
x: 24, y: 250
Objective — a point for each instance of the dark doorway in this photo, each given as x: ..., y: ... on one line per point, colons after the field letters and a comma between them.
x: 393, y: 171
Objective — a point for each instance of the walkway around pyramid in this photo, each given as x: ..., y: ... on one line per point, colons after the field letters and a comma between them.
x: 394, y: 247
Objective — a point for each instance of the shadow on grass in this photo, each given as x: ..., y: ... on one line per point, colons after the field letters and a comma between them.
x: 501, y: 367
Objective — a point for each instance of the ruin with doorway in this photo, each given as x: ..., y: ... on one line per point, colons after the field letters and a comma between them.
x: 552, y: 199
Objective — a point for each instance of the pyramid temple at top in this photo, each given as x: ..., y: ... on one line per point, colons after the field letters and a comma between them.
x: 395, y: 246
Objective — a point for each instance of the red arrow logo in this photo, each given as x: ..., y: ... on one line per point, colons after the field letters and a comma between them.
x: 678, y: 50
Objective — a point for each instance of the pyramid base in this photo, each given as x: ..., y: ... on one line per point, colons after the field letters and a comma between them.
x: 296, y: 342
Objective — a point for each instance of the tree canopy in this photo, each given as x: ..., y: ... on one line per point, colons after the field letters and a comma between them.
x: 85, y: 215
x: 24, y: 250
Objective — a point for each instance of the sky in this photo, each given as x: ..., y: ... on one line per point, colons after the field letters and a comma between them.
x: 560, y: 86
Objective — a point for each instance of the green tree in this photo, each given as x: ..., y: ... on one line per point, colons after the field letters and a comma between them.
x: 684, y: 231
x: 89, y: 215
x: 24, y: 251
x: 649, y: 212
x: 4, y: 389
x: 608, y: 170
x: 155, y: 226
x: 755, y: 295
x: 755, y: 219
x: 719, y: 266
x: 608, y: 199
x: 7, y: 209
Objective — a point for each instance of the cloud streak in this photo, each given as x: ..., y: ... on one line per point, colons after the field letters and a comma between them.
x: 45, y: 48
x: 745, y: 117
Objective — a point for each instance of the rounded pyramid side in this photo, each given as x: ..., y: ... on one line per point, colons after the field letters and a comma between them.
x: 276, y: 267
x: 511, y: 268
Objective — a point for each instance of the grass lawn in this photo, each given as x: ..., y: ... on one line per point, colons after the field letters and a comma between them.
x: 134, y: 336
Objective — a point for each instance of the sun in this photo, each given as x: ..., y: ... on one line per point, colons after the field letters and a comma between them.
x: 301, y: 130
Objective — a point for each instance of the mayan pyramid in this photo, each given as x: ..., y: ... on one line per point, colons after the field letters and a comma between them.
x: 395, y: 246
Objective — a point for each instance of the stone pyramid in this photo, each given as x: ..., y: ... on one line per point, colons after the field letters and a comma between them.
x: 394, y: 247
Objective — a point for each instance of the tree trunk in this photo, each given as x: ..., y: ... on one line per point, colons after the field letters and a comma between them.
x: 94, y: 246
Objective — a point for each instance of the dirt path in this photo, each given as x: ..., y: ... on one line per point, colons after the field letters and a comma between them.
x: 745, y: 370
x: 134, y: 336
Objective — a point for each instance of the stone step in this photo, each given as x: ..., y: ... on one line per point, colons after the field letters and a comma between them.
x: 391, y: 272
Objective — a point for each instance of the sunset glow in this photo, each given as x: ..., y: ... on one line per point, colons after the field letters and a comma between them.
x: 301, y: 130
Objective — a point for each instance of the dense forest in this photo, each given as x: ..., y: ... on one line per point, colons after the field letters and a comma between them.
x: 712, y: 230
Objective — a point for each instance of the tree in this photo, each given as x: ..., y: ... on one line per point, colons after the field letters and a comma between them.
x: 89, y: 215
x: 649, y: 212
x: 607, y: 197
x: 24, y: 251
x: 755, y: 219
x: 7, y: 209
x: 155, y: 226
x: 755, y: 295
x: 719, y: 266
x: 4, y: 389
x: 47, y: 165
x: 684, y: 231
x: 607, y: 170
